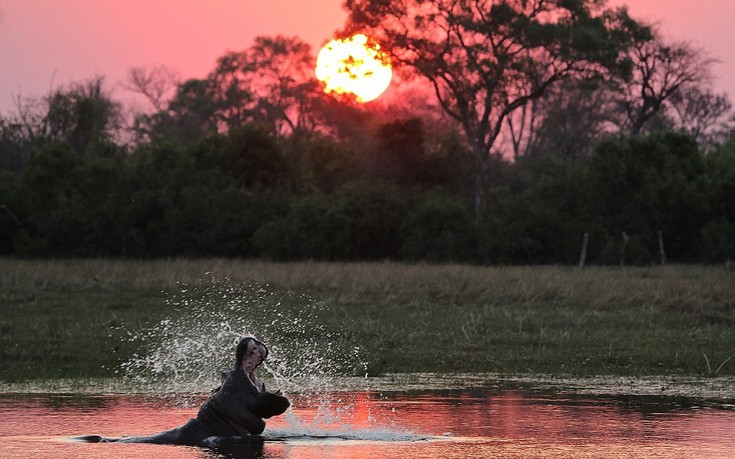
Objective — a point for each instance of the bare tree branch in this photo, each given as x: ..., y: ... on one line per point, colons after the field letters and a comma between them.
x: 157, y: 84
x: 662, y: 70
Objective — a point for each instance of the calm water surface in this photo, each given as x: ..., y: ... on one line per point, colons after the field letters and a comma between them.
x: 469, y: 424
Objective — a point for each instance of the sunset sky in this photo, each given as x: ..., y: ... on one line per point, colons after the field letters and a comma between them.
x: 47, y: 43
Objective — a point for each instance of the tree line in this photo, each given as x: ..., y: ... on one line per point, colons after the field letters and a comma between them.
x: 584, y: 126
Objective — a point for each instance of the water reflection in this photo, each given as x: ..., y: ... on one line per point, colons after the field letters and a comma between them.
x: 488, y: 424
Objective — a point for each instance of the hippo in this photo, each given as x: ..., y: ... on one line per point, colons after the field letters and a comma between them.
x: 235, y: 411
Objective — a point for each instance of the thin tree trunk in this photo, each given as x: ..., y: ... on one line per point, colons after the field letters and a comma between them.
x: 479, y: 196
x: 480, y: 178
x: 583, y: 255
x: 661, y: 251
x: 626, y: 239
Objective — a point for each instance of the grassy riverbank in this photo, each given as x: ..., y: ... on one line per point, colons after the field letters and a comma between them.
x: 69, y: 319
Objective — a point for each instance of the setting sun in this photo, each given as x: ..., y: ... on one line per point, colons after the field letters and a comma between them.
x: 354, y: 65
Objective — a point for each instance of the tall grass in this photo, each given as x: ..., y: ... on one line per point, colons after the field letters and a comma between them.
x: 60, y: 316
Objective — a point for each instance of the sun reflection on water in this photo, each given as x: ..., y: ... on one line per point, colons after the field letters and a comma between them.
x: 368, y: 424
x: 182, y: 357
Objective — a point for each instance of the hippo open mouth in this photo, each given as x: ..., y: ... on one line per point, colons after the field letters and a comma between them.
x: 235, y: 409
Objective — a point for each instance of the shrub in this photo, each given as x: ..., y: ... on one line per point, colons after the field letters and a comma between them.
x: 440, y: 228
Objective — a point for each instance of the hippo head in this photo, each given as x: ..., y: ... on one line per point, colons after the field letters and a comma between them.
x: 248, y: 346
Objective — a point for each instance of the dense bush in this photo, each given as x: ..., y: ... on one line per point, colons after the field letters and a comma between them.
x: 251, y: 193
x: 643, y: 185
x: 439, y: 228
x: 363, y: 222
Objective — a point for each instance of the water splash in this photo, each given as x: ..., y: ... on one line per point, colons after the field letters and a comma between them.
x: 182, y: 358
x: 340, y: 417
x: 184, y: 355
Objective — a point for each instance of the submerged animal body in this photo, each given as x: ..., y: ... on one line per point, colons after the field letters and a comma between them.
x: 236, y: 409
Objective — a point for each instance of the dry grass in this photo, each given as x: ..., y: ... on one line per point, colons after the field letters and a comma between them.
x: 600, y: 286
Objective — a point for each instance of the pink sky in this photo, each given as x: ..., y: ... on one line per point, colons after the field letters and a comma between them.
x: 46, y: 43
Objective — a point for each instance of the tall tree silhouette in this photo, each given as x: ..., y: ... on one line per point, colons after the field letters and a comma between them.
x: 270, y: 84
x: 663, y: 71
x: 487, y: 58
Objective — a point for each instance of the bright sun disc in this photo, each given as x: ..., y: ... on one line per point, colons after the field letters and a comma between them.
x: 354, y: 65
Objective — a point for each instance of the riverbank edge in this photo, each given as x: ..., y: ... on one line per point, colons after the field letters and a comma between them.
x: 720, y: 390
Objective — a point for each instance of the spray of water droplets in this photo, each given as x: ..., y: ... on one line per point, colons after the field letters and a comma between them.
x: 186, y: 353
x: 183, y: 356
x: 343, y: 416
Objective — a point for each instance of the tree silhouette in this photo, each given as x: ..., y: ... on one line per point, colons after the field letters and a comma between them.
x: 487, y: 58
x: 270, y: 84
x: 85, y: 116
x: 82, y: 114
x: 573, y: 118
x: 157, y: 84
x: 662, y: 72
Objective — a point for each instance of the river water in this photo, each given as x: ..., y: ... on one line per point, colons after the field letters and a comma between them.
x: 481, y: 423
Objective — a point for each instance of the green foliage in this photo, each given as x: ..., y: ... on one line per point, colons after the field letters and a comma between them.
x: 83, y: 116
x: 319, y: 163
x: 362, y: 222
x: 398, y: 158
x: 65, y: 203
x: 207, y: 198
x: 717, y: 236
x: 211, y: 177
x: 648, y: 184
x: 719, y: 173
x: 13, y: 146
x: 254, y: 160
x: 439, y: 228
x: 250, y: 156
x: 718, y: 241
x: 250, y: 193
x: 12, y: 229
x: 537, y: 214
x: 522, y: 232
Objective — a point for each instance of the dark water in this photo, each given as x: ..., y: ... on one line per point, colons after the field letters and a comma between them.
x: 469, y: 424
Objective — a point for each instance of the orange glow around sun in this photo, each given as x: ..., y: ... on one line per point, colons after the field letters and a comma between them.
x: 354, y: 65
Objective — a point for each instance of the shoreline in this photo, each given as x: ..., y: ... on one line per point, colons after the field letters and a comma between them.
x: 718, y: 390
